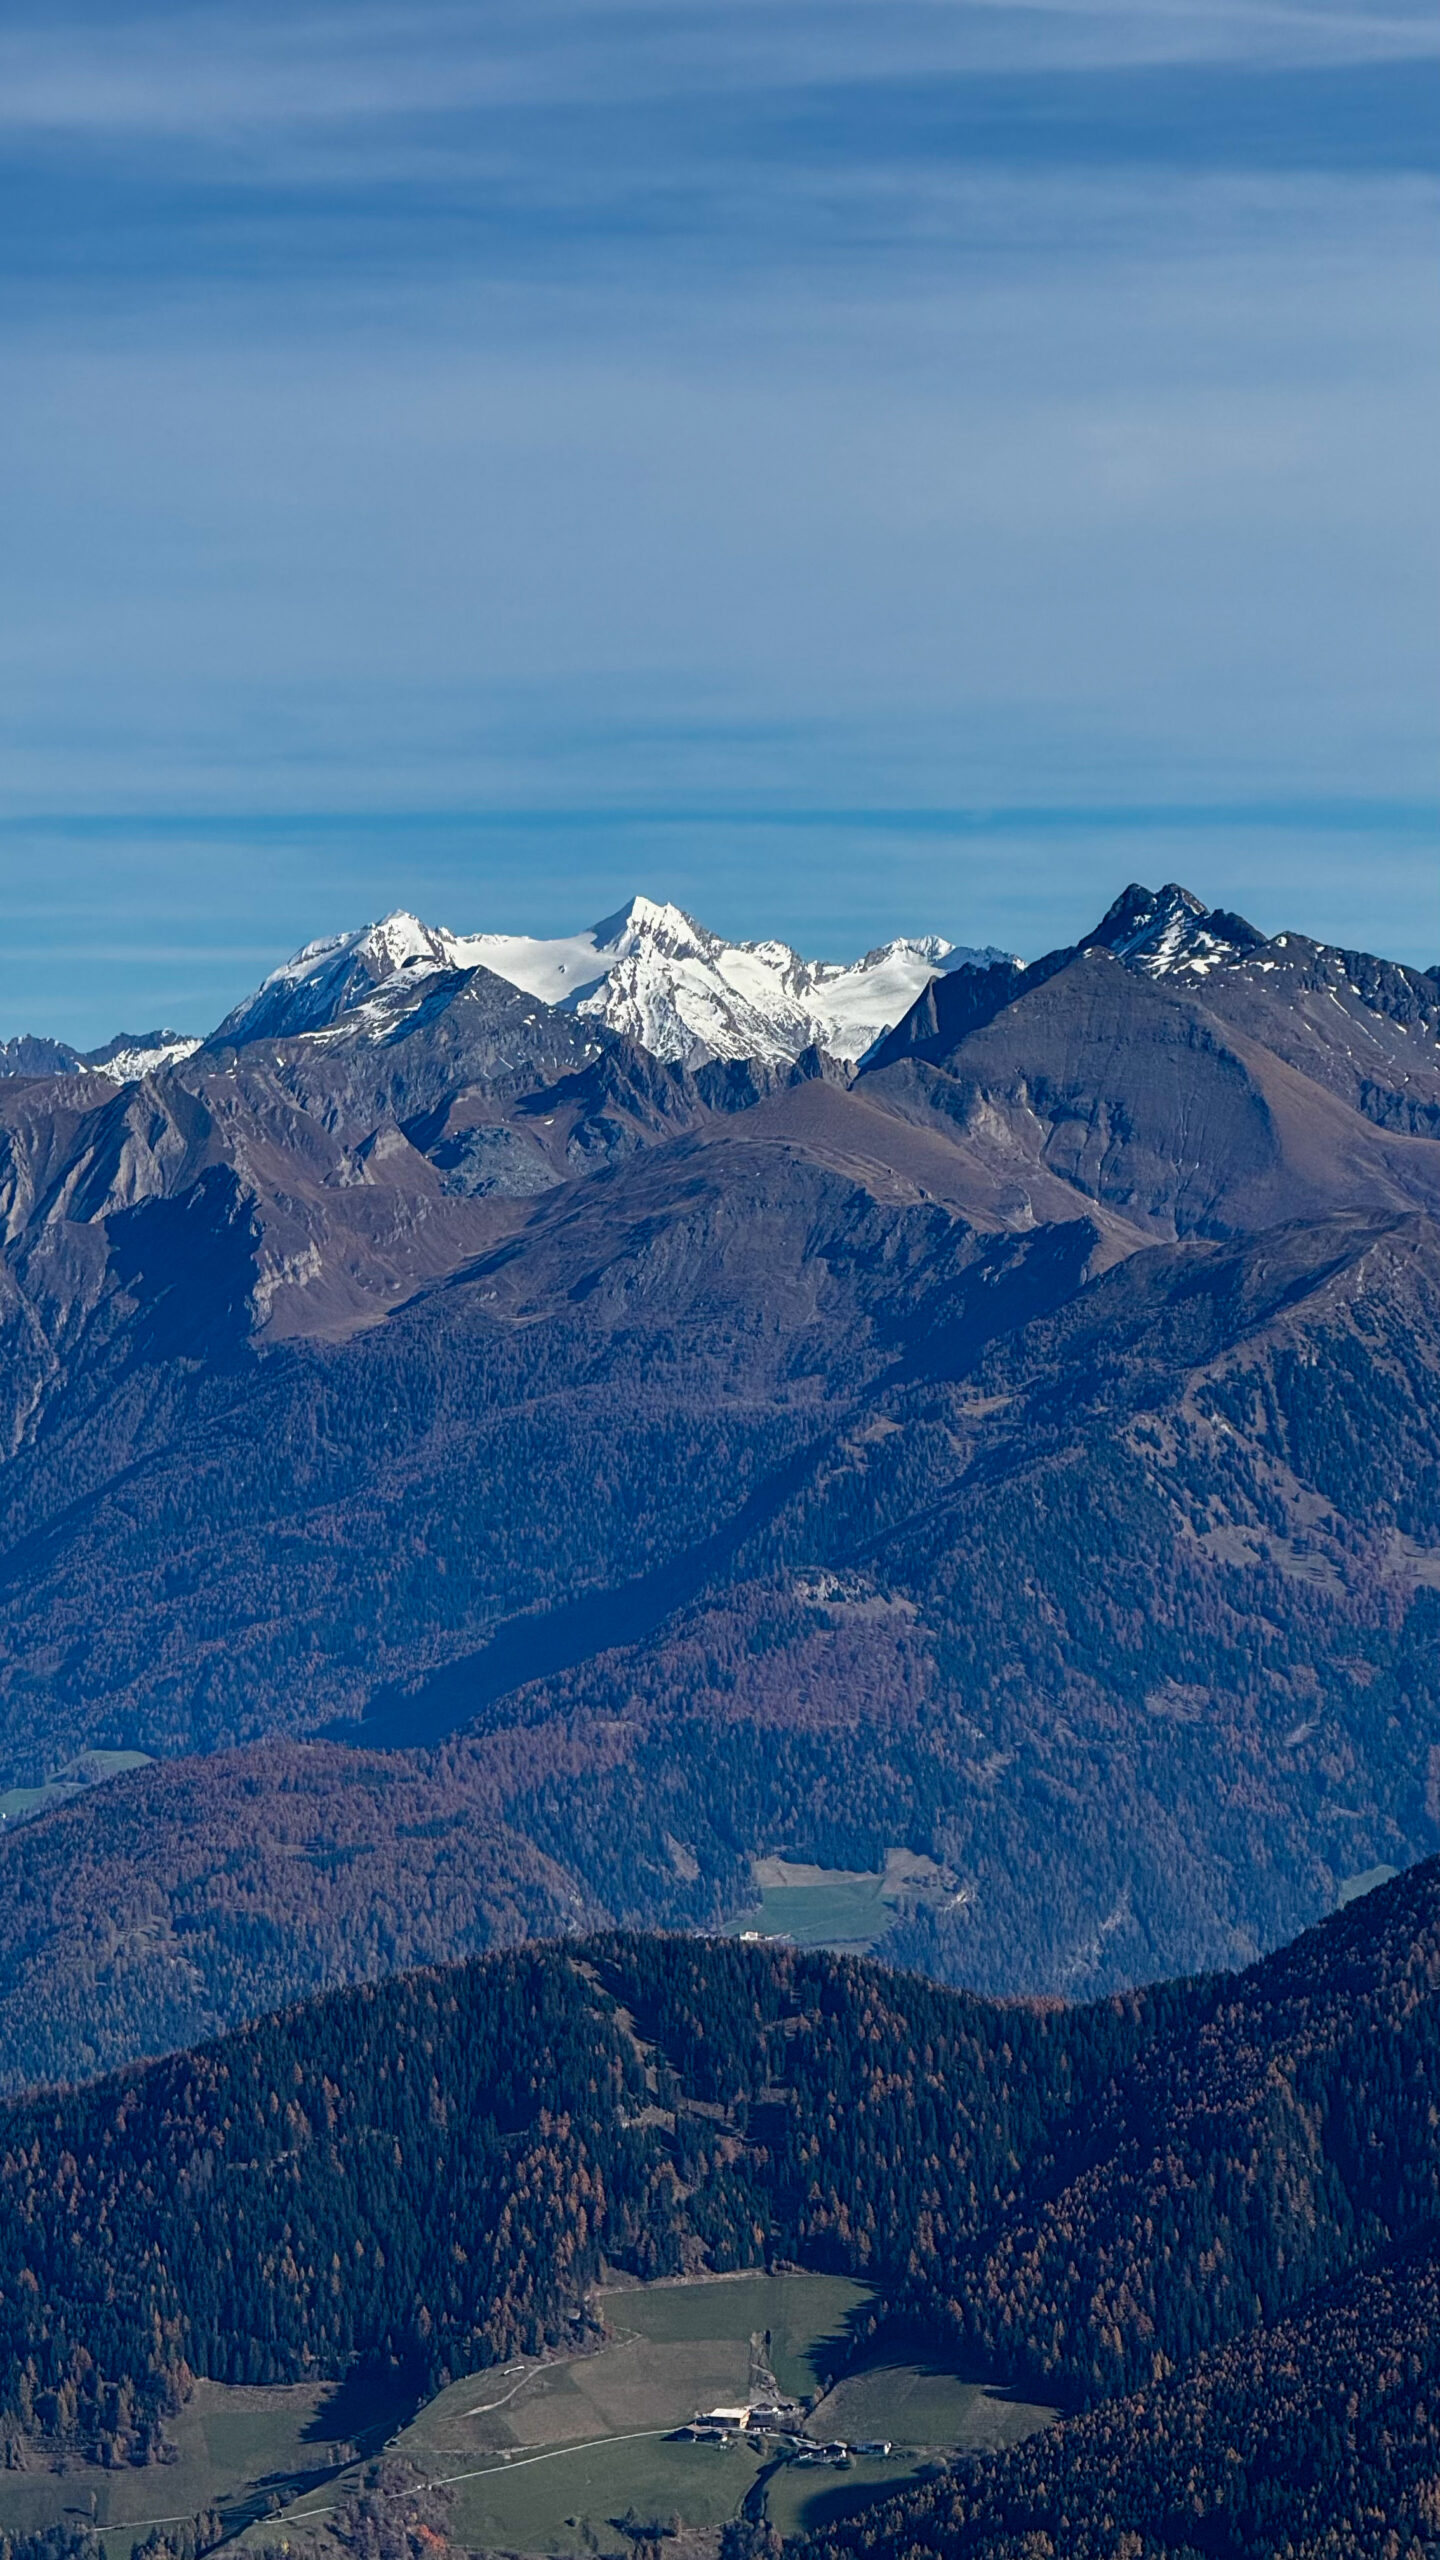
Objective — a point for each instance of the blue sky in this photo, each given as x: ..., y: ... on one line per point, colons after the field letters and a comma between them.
x: 854, y: 466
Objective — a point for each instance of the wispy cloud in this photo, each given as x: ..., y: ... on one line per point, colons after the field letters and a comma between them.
x: 249, y: 152
x: 211, y: 70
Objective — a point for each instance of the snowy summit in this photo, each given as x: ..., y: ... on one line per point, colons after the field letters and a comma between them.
x: 649, y: 971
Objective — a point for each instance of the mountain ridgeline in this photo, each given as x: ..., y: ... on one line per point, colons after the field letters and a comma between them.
x: 509, y: 1479
x: 1204, y: 2214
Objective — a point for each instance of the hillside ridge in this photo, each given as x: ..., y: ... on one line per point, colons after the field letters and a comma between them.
x: 1050, y: 2188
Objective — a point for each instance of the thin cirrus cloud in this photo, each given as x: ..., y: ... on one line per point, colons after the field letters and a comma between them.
x: 574, y: 435
x: 208, y: 70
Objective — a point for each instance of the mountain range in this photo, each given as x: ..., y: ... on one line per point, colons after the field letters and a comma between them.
x: 509, y: 1477
x: 649, y: 971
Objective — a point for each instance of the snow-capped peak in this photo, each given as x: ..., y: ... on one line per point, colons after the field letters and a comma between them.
x: 566, y: 968
x: 652, y: 920
x: 654, y: 973
x: 330, y: 976
x: 400, y: 940
x: 650, y: 971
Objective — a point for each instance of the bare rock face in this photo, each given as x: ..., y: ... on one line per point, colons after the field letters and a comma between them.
x: 1186, y: 1107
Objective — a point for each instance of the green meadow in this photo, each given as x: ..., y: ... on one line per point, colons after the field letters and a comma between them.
x: 239, y: 2449
x: 548, y: 2457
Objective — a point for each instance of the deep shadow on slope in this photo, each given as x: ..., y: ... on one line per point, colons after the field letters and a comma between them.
x: 1008, y: 1284
x: 539, y: 1646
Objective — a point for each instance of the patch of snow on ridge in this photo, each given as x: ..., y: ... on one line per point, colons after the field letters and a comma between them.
x: 1160, y: 932
x: 859, y: 1002
x: 125, y: 1059
x: 128, y: 1060
x: 649, y: 971
x: 558, y: 972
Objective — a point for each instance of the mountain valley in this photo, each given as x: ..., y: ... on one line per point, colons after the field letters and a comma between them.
x: 512, y: 1508
x: 505, y: 1479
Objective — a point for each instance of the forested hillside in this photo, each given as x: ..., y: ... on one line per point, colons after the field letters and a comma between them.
x: 139, y: 1919
x: 1317, y: 2437
x: 1129, y: 1585
x: 429, y: 2173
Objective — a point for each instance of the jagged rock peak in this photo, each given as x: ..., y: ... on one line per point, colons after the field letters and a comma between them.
x: 133, y: 1054
x: 1160, y: 930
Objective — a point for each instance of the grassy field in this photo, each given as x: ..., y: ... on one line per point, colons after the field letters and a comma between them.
x: 923, y: 2409
x: 842, y: 1907
x: 569, y: 2502
x: 234, y: 2443
x: 805, y: 2501
x: 847, y: 1911
x: 545, y: 2458
x: 806, y: 2316
x: 925, y: 2405
x: 17, y: 1804
x: 1352, y: 1887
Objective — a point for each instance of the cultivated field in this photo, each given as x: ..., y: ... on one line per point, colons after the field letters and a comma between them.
x: 841, y: 1907
x: 924, y: 2409
x: 550, y: 2457
x: 924, y: 2404
x: 807, y: 2319
x: 848, y: 1914
x: 545, y: 2457
x: 572, y: 2502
